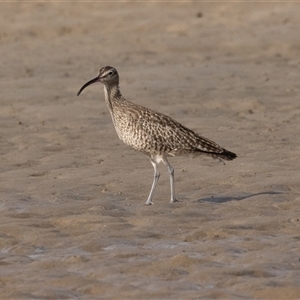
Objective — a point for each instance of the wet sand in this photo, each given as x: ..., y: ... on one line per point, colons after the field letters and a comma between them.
x: 73, y: 220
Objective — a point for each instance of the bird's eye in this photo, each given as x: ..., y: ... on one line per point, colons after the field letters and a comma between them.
x: 110, y: 73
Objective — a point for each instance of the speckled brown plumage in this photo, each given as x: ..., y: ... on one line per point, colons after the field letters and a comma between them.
x: 152, y: 133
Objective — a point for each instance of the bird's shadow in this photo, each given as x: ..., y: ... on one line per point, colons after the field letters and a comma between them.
x: 222, y: 199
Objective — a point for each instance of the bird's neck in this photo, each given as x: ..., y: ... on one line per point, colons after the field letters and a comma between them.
x: 112, y: 95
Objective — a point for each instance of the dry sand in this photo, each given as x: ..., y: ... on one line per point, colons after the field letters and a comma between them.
x: 73, y: 220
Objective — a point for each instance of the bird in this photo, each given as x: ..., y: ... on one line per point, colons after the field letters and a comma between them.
x: 152, y: 133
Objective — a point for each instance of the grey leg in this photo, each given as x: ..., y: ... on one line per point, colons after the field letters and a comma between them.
x: 171, y: 174
x: 155, y: 180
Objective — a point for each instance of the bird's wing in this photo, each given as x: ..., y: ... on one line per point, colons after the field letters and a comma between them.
x: 167, y: 135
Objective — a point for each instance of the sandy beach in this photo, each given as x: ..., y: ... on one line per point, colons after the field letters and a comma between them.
x: 73, y: 223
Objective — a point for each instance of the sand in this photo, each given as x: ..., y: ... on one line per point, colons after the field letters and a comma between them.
x: 73, y: 223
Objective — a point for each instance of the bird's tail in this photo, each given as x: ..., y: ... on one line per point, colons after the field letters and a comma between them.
x: 227, y: 155
x: 219, y: 153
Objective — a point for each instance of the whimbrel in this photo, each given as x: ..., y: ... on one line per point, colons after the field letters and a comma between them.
x: 152, y: 133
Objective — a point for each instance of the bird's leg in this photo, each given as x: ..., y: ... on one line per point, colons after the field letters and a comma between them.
x: 171, y: 174
x: 155, y: 180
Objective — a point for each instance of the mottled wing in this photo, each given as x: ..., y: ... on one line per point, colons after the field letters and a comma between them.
x: 158, y: 133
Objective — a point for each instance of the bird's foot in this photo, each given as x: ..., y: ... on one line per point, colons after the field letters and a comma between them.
x: 149, y: 202
x: 174, y: 200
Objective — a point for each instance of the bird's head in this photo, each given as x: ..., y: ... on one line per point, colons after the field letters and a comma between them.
x: 107, y: 75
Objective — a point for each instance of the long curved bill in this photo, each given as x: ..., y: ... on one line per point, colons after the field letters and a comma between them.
x: 88, y: 83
